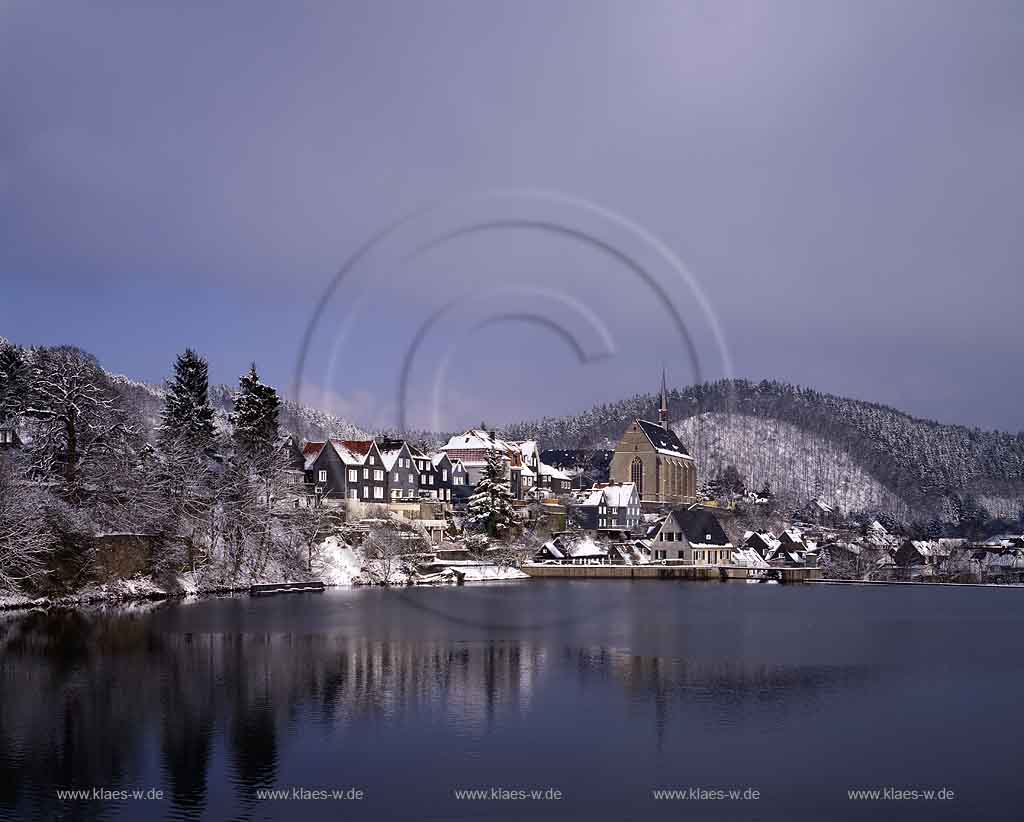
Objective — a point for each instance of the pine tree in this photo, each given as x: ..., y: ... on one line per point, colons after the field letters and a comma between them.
x: 187, y: 414
x: 256, y: 411
x: 14, y: 381
x: 490, y: 507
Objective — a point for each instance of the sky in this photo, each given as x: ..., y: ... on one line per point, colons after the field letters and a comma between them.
x: 534, y: 206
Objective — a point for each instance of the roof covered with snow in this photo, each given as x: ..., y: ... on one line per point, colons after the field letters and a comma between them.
x: 664, y: 440
x: 617, y: 495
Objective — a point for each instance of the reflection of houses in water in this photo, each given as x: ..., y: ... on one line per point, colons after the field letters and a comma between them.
x: 722, y: 691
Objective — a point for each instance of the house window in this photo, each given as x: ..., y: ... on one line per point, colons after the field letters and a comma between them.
x: 353, y: 493
x: 366, y: 473
x: 412, y: 478
x: 322, y: 476
x: 353, y: 475
x: 378, y: 493
x: 444, y: 475
x: 371, y: 460
x: 423, y: 479
x: 431, y: 479
x: 396, y: 477
x: 378, y: 475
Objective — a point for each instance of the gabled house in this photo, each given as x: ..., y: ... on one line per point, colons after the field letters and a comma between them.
x: 401, y: 475
x: 345, y: 469
x: 921, y: 552
x: 609, y: 506
x: 763, y: 542
x: 693, y: 536
x: 444, y: 474
x: 525, y: 472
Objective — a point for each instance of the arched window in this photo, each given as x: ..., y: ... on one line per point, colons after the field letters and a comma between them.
x: 636, y: 474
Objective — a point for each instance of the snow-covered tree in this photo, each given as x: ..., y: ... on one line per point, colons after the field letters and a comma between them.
x: 490, y: 507
x: 14, y: 381
x: 187, y: 413
x: 255, y: 417
x: 78, y: 423
x: 25, y: 540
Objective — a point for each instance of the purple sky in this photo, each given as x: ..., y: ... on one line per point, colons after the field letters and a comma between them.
x: 845, y: 182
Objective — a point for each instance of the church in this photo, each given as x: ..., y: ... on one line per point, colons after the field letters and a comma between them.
x: 650, y: 455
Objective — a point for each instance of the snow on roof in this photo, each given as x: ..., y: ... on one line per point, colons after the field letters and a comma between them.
x: 352, y: 452
x: 475, y: 438
x: 310, y: 451
x: 554, y: 473
x: 767, y: 538
x: 749, y: 557
x: 435, y: 459
x: 389, y: 451
x: 617, y: 495
x: 553, y: 549
x: 587, y: 548
x: 665, y: 441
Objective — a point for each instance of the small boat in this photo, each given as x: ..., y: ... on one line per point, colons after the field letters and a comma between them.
x: 266, y: 589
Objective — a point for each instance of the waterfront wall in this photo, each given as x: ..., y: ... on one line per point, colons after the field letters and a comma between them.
x: 695, y: 572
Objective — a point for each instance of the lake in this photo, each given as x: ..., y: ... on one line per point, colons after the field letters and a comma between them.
x: 593, y: 694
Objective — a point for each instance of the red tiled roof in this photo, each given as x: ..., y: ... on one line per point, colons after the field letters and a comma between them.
x: 312, y: 448
x: 361, y: 447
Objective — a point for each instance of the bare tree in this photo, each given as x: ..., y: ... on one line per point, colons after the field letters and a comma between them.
x: 389, y: 548
x: 25, y: 539
x: 309, y: 525
x: 77, y: 418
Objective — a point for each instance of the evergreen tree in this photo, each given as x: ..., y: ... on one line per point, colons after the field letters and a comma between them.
x: 490, y: 507
x: 187, y: 414
x: 14, y: 381
x: 732, y: 482
x: 255, y: 416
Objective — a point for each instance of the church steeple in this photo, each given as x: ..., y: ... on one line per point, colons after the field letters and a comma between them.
x: 663, y: 411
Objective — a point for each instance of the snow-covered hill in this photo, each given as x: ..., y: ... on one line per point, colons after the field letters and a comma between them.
x: 931, y: 467
x: 796, y: 464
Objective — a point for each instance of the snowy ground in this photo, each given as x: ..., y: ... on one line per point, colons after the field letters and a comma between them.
x: 338, y: 564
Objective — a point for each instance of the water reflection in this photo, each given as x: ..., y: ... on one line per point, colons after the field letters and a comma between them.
x: 212, y: 714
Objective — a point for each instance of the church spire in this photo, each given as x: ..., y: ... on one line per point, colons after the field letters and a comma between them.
x: 663, y: 411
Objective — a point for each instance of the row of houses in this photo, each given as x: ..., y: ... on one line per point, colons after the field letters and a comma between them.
x: 379, y: 471
x: 686, y: 536
x: 387, y: 470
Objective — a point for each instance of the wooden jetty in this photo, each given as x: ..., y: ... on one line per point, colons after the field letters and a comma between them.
x: 267, y: 589
x: 658, y: 571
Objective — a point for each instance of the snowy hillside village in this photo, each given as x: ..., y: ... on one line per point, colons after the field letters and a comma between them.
x: 94, y: 498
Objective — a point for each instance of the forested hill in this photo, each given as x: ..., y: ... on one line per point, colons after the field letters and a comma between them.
x: 924, y: 463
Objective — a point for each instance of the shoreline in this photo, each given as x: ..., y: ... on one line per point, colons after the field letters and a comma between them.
x: 89, y: 598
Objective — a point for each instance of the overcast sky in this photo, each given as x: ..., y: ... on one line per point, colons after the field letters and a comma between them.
x: 842, y: 180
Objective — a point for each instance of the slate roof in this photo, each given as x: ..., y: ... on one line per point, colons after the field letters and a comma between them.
x: 698, y: 525
x: 664, y: 441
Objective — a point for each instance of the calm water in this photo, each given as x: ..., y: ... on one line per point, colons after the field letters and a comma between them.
x: 602, y: 690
